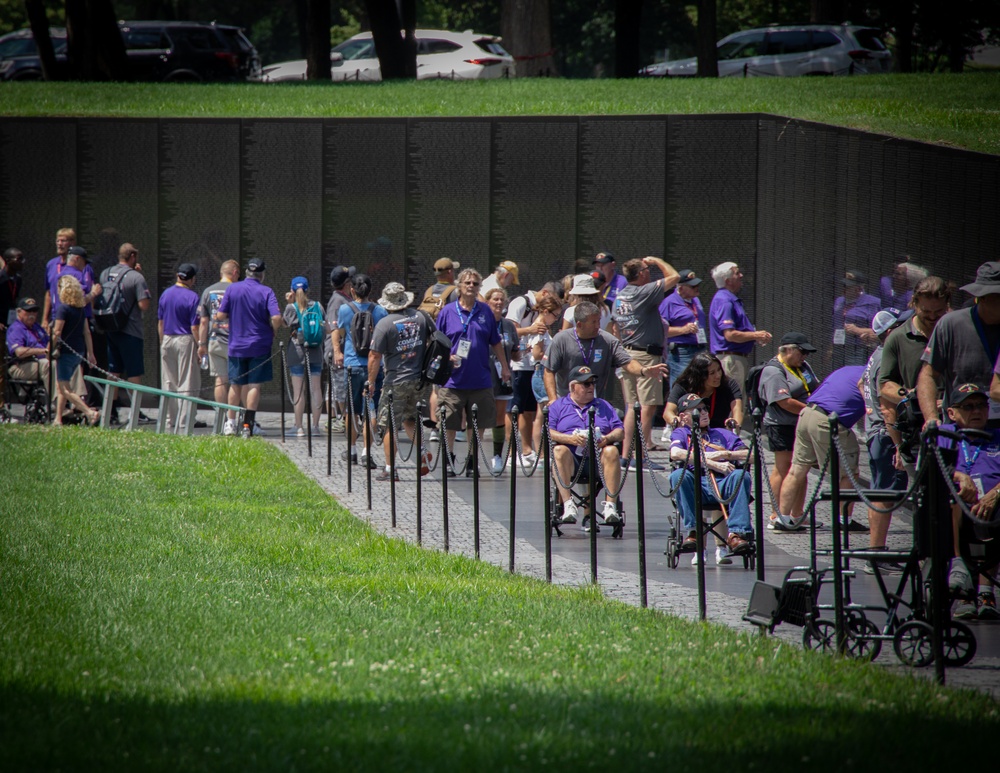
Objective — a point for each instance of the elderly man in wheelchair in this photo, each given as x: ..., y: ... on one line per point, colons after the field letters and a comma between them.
x: 27, y: 359
x: 568, y: 422
x: 721, y: 479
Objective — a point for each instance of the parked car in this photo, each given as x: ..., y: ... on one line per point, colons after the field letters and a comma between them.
x: 440, y: 54
x: 807, y: 49
x: 19, y: 55
x: 159, y: 51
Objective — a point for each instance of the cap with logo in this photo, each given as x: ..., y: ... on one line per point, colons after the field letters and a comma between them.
x: 853, y: 278
x: 256, y: 265
x: 445, y: 264
x: 300, y: 283
x: 799, y: 340
x: 689, y: 278
x: 604, y: 257
x: 963, y: 392
x: 187, y: 270
x: 28, y: 304
x: 582, y: 374
x: 888, y: 319
x: 76, y: 250
x: 689, y: 402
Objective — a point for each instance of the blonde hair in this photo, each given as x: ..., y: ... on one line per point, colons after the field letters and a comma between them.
x: 302, y: 299
x: 70, y: 292
x: 66, y: 232
x: 496, y: 291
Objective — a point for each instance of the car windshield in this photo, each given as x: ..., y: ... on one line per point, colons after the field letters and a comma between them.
x: 751, y: 44
x: 869, y: 39
x: 356, y: 49
x: 25, y: 46
x: 491, y: 47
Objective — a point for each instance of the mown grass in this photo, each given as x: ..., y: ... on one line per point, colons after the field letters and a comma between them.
x: 197, y: 604
x: 955, y: 109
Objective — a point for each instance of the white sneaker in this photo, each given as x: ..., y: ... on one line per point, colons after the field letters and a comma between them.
x: 300, y: 432
x: 611, y: 513
x: 570, y: 512
x: 337, y: 425
x: 258, y: 430
x: 229, y: 428
x: 722, y: 556
x: 434, y: 437
x: 497, y: 465
x: 694, y: 559
x: 959, y: 579
x: 665, y: 437
x: 460, y: 436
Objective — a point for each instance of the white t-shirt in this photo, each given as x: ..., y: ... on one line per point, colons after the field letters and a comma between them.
x: 570, y: 316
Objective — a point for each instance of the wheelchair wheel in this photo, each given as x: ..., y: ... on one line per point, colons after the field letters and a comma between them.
x: 959, y: 644
x: 860, y: 644
x: 913, y: 644
x: 820, y: 635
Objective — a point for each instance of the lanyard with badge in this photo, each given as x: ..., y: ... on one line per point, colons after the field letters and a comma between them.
x: 464, y: 344
x: 797, y: 372
x: 586, y: 355
x: 991, y: 353
x: 699, y: 334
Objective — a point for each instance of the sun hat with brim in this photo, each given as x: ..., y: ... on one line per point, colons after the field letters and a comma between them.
x: 987, y: 280
x: 689, y: 402
x: 583, y: 284
x: 394, y: 297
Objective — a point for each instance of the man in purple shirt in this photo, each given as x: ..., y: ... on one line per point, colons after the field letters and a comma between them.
x: 178, y: 325
x: 722, y: 448
x: 568, y: 426
x: 842, y: 392
x: 254, y: 317
x: 472, y: 328
x: 613, y: 281
x: 732, y: 335
x: 853, y: 312
x: 29, y: 343
x: 686, y: 324
x: 65, y: 245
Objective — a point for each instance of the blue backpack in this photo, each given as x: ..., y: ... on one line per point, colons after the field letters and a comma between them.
x: 311, y: 324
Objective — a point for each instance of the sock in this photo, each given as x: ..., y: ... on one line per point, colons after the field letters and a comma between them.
x: 497, y: 446
x: 248, y: 417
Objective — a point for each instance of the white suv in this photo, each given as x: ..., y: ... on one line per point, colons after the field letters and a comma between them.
x: 440, y: 54
x: 807, y: 49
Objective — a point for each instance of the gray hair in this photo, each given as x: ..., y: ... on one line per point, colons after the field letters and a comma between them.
x: 722, y: 272
x: 585, y: 309
x: 914, y: 273
x: 467, y: 272
x: 787, y: 348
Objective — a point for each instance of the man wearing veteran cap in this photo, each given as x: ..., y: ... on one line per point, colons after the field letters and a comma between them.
x: 568, y: 424
x: 180, y: 349
x: 686, y: 324
x: 613, y: 281
x: 964, y: 345
x: 251, y: 309
x: 28, y: 342
x: 505, y: 276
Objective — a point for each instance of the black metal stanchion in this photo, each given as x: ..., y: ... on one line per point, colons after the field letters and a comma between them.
x: 758, y: 493
x: 445, y: 467
x: 348, y: 426
x: 367, y: 439
x: 938, y: 515
x: 419, y: 440
x: 513, y: 485
x: 699, y: 524
x: 51, y: 385
x: 592, y: 491
x: 284, y: 387
x: 838, y: 569
x: 640, y: 510
x: 391, y: 463
x: 329, y: 420
x: 474, y: 459
x: 547, y: 469
x: 307, y: 386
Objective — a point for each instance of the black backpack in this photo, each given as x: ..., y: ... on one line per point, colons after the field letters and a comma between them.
x: 436, y: 366
x: 751, y: 390
x: 362, y: 327
x: 110, y: 312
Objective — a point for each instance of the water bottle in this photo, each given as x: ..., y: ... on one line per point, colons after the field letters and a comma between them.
x: 432, y: 369
x: 204, y: 362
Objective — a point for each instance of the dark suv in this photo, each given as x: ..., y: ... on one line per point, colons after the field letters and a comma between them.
x: 19, y: 54
x: 157, y: 51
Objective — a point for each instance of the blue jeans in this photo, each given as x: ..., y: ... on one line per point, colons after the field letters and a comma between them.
x: 679, y: 356
x: 736, y: 482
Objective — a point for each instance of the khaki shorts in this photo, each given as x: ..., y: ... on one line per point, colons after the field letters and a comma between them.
x: 218, y: 360
x: 455, y: 401
x: 405, y: 396
x: 812, y: 440
x: 735, y: 366
x: 647, y: 389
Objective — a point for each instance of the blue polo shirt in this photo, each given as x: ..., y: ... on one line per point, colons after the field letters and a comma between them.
x: 839, y: 394
x: 726, y: 313
x: 478, y: 327
x: 250, y: 306
x: 677, y: 312
x: 178, y: 310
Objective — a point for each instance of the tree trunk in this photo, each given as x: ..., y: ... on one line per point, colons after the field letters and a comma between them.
x: 110, y: 61
x: 708, y: 59
x: 408, y: 8
x: 628, y: 23
x: 77, y: 40
x: 43, y: 40
x: 827, y: 11
x: 389, y: 44
x: 526, y: 28
x: 318, y: 40
x: 302, y: 24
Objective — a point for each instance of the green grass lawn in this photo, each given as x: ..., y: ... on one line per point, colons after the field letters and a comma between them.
x: 197, y: 604
x: 960, y: 110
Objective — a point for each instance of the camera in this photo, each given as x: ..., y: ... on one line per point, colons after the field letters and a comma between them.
x: 909, y: 423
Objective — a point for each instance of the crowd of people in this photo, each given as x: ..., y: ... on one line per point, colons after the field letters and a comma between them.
x: 905, y: 349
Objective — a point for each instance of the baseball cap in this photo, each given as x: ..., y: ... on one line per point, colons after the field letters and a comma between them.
x: 890, y: 318
x: 187, y: 270
x: 964, y: 391
x: 300, y: 283
x: 443, y: 264
x: 604, y: 257
x: 582, y: 374
x: 341, y: 274
x: 76, y: 250
x: 799, y: 340
x: 28, y: 304
x: 853, y: 278
x: 511, y: 267
x: 688, y: 278
x: 689, y: 402
x: 987, y: 280
x: 256, y: 265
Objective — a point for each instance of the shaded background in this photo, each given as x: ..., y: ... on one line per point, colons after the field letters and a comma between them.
x: 794, y: 203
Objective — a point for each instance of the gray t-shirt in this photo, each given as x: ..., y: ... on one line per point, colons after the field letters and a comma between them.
x: 401, y: 339
x: 211, y: 297
x: 602, y: 354
x: 332, y: 310
x: 956, y: 351
x: 779, y: 383
x: 876, y: 421
x: 637, y: 314
x: 134, y: 289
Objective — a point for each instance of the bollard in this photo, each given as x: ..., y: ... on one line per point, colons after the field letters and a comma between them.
x: 699, y: 524
x: 937, y: 502
x: 387, y: 395
x: 348, y: 423
x: 512, y: 500
x: 50, y: 397
x: 445, y: 462
x: 366, y: 435
x: 758, y: 493
x: 329, y: 419
x: 419, y: 440
x: 307, y: 386
x: 284, y: 387
x: 474, y: 454
x: 838, y: 568
x: 592, y: 491
x: 547, y: 469
x: 640, y: 509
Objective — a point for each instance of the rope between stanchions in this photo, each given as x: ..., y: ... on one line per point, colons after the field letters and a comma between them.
x: 860, y: 489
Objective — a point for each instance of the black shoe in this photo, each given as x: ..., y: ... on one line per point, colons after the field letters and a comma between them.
x: 199, y: 424
x: 853, y: 525
x: 144, y: 419
x: 114, y: 421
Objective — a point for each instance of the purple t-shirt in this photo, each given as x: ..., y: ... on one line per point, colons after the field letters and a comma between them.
x: 977, y: 457
x: 55, y: 268
x: 33, y: 337
x: 178, y: 309
x: 677, y: 312
x: 610, y: 291
x: 860, y: 312
x: 250, y: 306
x: 716, y: 439
x: 566, y: 416
x: 478, y: 327
x: 726, y: 313
x: 890, y: 298
x: 839, y: 394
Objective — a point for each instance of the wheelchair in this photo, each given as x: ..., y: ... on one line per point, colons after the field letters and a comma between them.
x: 580, y: 495
x: 30, y: 393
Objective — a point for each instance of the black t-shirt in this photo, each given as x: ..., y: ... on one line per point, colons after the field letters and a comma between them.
x: 719, y: 403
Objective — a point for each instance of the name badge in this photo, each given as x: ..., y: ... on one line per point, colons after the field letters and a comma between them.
x: 700, y: 336
x: 977, y: 481
x: 463, y: 348
x: 994, y: 410
x: 839, y: 336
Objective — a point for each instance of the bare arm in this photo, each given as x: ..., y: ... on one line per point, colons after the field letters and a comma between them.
x: 670, y: 276
x: 791, y: 405
x: 374, y: 363
x: 550, y: 384
x: 276, y: 322
x: 746, y: 336
x: 927, y: 393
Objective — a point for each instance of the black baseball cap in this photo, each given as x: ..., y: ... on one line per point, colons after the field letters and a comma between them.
x: 76, y: 250
x: 28, y: 304
x: 187, y: 270
x: 582, y: 374
x: 689, y: 278
x: 256, y: 265
x: 963, y: 392
x: 799, y: 340
x: 604, y: 257
x: 689, y: 402
x: 341, y: 274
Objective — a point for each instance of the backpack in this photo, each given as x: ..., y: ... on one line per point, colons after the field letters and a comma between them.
x: 751, y: 390
x: 432, y: 304
x: 436, y: 366
x: 110, y: 312
x: 362, y: 328
x: 311, y: 324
